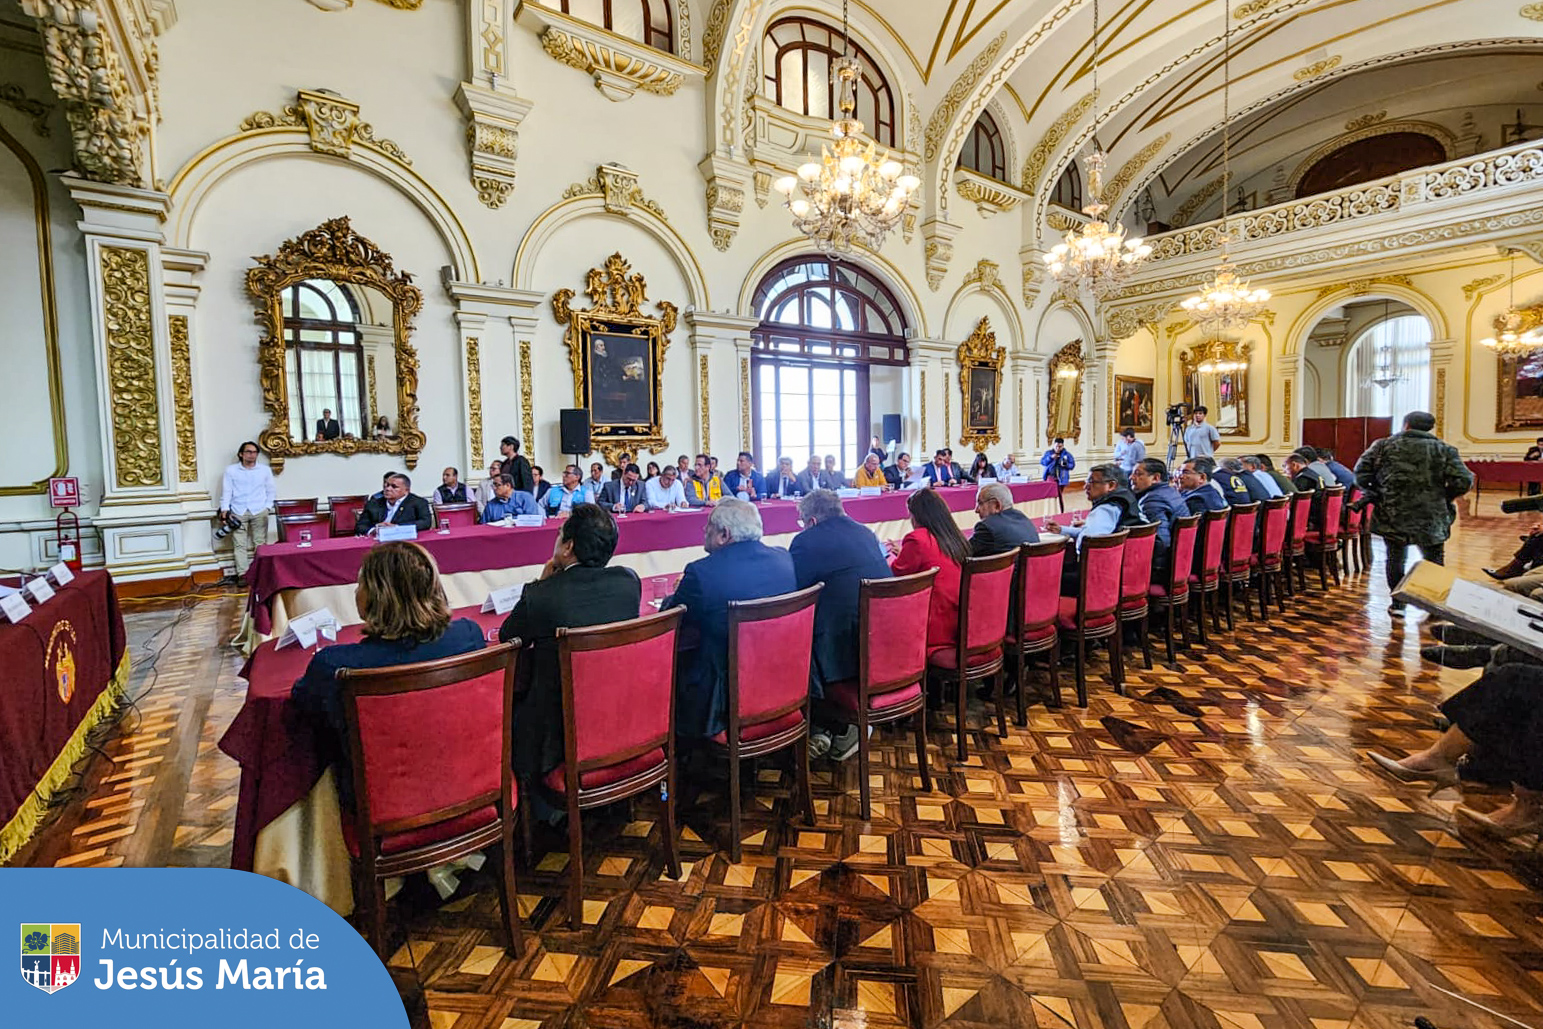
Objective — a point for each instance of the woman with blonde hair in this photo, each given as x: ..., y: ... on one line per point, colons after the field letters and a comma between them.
x: 406, y: 619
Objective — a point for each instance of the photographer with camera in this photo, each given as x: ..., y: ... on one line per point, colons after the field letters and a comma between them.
x: 247, y: 496
x: 1058, y: 463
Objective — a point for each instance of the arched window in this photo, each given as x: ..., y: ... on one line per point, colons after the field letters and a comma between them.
x: 984, y: 150
x: 325, y: 357
x: 1368, y: 159
x: 1405, y: 338
x: 824, y: 324
x: 647, y: 21
x: 796, y: 56
x: 1068, y: 189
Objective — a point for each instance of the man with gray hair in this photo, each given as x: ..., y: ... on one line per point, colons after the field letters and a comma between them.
x: 1240, y: 476
x: 1255, y: 468
x: 738, y: 566
x: 1002, y: 527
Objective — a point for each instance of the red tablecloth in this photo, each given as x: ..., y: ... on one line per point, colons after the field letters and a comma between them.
x: 1506, y: 471
x: 332, y: 562
x: 54, y: 666
x: 276, y: 748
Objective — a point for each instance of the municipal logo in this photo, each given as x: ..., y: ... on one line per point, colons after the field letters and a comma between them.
x: 50, y: 955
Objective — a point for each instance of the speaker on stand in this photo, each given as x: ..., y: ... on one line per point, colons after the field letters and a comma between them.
x: 573, y: 430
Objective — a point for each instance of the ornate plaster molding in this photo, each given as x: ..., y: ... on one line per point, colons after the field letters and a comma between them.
x: 1479, y: 285
x: 1034, y: 164
x: 619, y: 66
x: 131, y: 376
x: 987, y: 194
x: 332, y: 121
x: 1196, y: 200
x: 343, y: 5
x: 1361, y: 287
x: 726, y: 182
x: 1123, y: 322
x: 618, y: 187
x: 938, y: 124
x: 1317, y: 68
x: 987, y: 273
x: 474, y: 398
x: 493, y: 118
x: 1117, y: 185
x: 182, y: 387
x: 1365, y: 120
x: 938, y: 249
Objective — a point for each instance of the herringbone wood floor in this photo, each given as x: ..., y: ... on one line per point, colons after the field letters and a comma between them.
x: 1210, y: 851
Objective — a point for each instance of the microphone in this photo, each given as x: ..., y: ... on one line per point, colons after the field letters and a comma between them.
x: 1516, y: 504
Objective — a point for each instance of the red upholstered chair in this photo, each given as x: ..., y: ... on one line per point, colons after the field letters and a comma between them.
x: 409, y: 817
x: 345, y: 511
x: 1323, y: 535
x: 1206, y: 581
x: 459, y: 515
x: 1270, y: 558
x: 1093, y: 614
x: 281, y: 508
x: 892, y: 662
x: 1136, y: 581
x: 290, y: 526
x: 618, y: 727
x: 1365, y: 541
x: 1350, y: 532
x: 1172, y: 597
x: 1238, y: 555
x: 1036, y: 603
x: 771, y: 642
x: 1296, y: 541
x: 985, y: 594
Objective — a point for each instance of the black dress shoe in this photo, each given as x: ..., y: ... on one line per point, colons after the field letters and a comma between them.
x: 1449, y: 656
x: 1501, y: 574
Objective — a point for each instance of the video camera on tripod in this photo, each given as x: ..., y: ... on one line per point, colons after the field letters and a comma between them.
x: 1177, y: 417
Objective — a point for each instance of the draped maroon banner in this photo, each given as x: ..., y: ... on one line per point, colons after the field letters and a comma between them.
x: 54, y: 665
x: 332, y: 562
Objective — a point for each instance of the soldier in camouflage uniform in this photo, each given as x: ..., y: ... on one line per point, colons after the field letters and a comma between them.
x: 1412, y: 477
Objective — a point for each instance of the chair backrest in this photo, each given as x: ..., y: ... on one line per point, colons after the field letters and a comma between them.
x: 459, y: 515
x: 1181, y: 554
x: 1213, y: 537
x: 771, y: 642
x: 1098, y: 588
x: 1349, y: 517
x: 1039, y: 583
x: 345, y: 512
x: 618, y: 690
x: 294, y: 507
x: 1333, y: 504
x: 397, y: 715
x: 985, y: 594
x: 1301, y: 514
x: 1136, y: 563
x: 290, y: 525
x: 1366, y: 517
x: 892, y: 625
x: 1277, y: 516
x: 1240, y: 534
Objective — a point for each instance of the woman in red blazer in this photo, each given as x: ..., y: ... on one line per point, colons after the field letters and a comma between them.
x: 934, y: 542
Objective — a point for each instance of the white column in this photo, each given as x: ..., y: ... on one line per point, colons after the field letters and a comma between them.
x: 720, y: 344
x: 1031, y: 373
x: 1097, y: 396
x: 1443, y: 354
x: 1289, y: 397
x: 928, y: 359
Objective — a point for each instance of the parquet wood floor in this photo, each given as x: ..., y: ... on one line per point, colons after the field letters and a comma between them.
x: 1209, y: 852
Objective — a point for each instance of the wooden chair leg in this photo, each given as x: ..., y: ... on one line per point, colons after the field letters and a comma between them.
x: 864, y: 807
x: 371, y: 891
x: 671, y: 831
x: 1183, y: 616
x: 1117, y: 657
x: 1146, y: 640
x: 801, y: 769
x: 1197, y: 601
x: 961, y: 706
x: 1168, y: 636
x: 1055, y: 670
x: 1333, y: 557
x: 1229, y: 583
x: 527, y: 847
x: 920, y: 720
x: 575, y: 866
x: 1082, y: 674
x: 1001, y: 681
x: 735, y: 851
x: 508, y: 897
x: 1023, y: 675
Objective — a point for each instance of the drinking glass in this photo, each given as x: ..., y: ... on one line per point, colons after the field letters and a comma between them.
x: 305, y: 537
x: 444, y: 526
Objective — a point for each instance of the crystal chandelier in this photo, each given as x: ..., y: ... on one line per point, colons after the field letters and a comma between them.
x: 1226, y: 302
x: 1385, y: 369
x: 1097, y: 257
x: 852, y: 195
x: 1512, y: 338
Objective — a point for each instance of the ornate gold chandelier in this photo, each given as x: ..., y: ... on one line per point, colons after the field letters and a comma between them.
x: 1096, y: 258
x: 1226, y: 302
x: 1514, y: 337
x: 852, y: 195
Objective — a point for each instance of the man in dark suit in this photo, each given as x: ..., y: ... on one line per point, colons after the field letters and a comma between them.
x: 396, y: 505
x: 899, y: 473
x: 576, y: 588
x: 624, y: 495
x: 1196, y: 489
x: 839, y: 552
x: 738, y: 566
x: 328, y: 427
x: 1002, y: 527
x: 784, y: 481
x: 515, y: 466
x: 808, y: 480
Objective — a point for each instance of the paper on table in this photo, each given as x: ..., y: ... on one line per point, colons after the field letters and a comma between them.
x: 1499, y: 614
x: 40, y: 590
x: 396, y: 533
x: 502, y: 601
x: 848, y: 492
x: 527, y: 521
x: 61, y: 573
x: 305, y: 629
x: 14, y: 606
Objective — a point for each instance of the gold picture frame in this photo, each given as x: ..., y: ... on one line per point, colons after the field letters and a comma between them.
x: 1519, y: 379
x: 617, y: 353
x: 980, y: 387
x: 333, y: 251
x: 1064, y: 410
x: 1224, y: 393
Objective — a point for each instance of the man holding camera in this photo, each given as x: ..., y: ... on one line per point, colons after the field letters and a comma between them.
x: 247, y: 496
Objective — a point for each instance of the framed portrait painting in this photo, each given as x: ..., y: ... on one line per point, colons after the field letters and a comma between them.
x: 980, y: 381
x: 1133, y: 404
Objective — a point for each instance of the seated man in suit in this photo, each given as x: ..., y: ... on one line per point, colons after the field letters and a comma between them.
x: 738, y: 566
x: 830, y: 478
x: 575, y: 589
x: 624, y: 495
x: 841, y: 553
x: 1113, y: 508
x: 1158, y: 502
x: 508, y: 502
x: 941, y: 471
x: 1002, y: 526
x: 328, y: 427
x: 1196, y: 489
x: 396, y: 505
x: 808, y: 480
x: 745, y: 479
x: 899, y: 473
x: 783, y: 482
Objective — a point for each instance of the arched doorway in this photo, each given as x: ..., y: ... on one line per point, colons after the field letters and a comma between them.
x: 826, y: 327
x: 1367, y: 358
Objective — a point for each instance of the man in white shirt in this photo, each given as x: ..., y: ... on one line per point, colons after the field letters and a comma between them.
x: 1251, y: 466
x: 1201, y: 438
x: 1129, y: 451
x: 664, y: 491
x: 247, y: 493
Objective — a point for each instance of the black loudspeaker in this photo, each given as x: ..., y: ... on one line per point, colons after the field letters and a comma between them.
x: 574, y: 430
x: 891, y: 428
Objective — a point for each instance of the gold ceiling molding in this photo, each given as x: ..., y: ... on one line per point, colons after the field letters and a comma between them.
x: 16, y: 98
x: 619, y: 66
x: 987, y: 194
x: 957, y: 93
x: 131, y: 378
x: 1365, y: 120
x: 1361, y: 287
x: 987, y: 273
x: 1124, y: 321
x: 182, y: 387
x: 1034, y: 164
x: 618, y: 186
x: 1317, y: 68
x: 712, y: 33
x: 1196, y: 200
x: 343, y: 5
x: 1479, y: 285
x: 1251, y: 8
x: 331, y: 120
x: 1130, y: 168
x: 1532, y: 12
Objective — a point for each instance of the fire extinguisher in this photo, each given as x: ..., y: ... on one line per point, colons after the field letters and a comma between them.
x: 67, y: 538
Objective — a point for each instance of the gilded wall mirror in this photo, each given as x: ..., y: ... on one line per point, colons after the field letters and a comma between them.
x: 1065, y: 406
x: 1216, y: 377
x: 338, y: 373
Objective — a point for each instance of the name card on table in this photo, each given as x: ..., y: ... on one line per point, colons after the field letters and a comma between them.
x: 307, y: 628
x: 396, y: 533
x: 985, y: 482
x: 527, y: 521
x: 14, y: 606
x: 61, y: 574
x: 502, y: 601
x: 40, y: 590
x: 870, y: 491
x: 847, y: 492
x: 1019, y: 477
x: 922, y: 483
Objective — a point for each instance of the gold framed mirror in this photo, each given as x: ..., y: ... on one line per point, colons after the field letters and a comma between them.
x: 1216, y: 377
x: 1065, y: 406
x: 339, y: 374
x: 980, y: 382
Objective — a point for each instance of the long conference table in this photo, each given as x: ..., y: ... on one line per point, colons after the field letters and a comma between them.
x: 288, y: 579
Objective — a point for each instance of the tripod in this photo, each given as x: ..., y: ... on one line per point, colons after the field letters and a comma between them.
x: 1175, y: 438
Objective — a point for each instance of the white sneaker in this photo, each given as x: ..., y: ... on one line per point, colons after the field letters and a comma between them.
x: 819, y: 742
